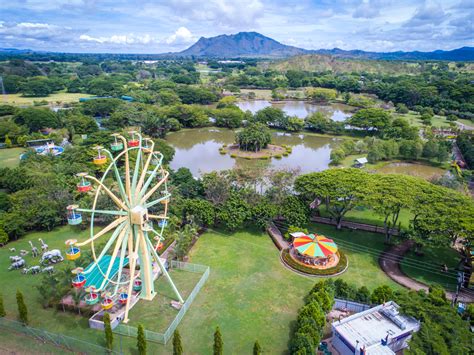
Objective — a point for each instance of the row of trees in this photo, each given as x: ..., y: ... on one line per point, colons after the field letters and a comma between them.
x: 435, y: 210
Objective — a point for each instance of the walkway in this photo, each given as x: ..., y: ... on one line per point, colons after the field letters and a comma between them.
x: 390, y: 263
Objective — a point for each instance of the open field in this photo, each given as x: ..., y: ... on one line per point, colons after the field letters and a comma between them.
x: 414, y: 119
x: 19, y: 100
x: 248, y: 290
x: 10, y: 157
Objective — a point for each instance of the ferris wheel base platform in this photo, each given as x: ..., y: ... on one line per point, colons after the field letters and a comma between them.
x: 95, y: 277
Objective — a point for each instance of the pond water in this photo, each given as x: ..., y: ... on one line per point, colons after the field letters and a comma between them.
x: 301, y: 109
x: 419, y: 170
x: 198, y: 150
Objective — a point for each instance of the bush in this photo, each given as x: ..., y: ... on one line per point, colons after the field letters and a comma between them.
x: 218, y: 348
x: 177, y: 346
x: 382, y: 294
x: 22, y: 310
x: 2, y: 307
x: 141, y: 340
x: 339, y: 268
x: 278, y: 156
x: 109, y: 336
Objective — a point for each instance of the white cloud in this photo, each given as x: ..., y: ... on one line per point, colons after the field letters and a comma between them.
x: 181, y: 36
x: 36, y: 31
x: 130, y: 39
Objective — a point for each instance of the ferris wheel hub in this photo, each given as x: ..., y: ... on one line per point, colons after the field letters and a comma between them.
x: 139, y: 215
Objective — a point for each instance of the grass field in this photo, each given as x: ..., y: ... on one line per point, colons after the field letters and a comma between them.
x: 10, y: 157
x: 414, y: 119
x: 19, y: 100
x: 249, y: 294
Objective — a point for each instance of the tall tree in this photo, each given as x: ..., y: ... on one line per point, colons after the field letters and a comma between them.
x: 177, y: 347
x: 22, y: 310
x: 2, y: 307
x: 141, y: 340
x: 257, y: 349
x: 339, y: 189
x: 109, y: 336
x: 218, y: 348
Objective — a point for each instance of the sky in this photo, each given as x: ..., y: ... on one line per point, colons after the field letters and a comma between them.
x: 144, y: 26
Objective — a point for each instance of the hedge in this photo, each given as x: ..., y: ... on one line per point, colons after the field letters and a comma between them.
x: 339, y: 268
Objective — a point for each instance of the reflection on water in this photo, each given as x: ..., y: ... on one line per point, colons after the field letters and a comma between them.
x: 198, y: 150
x: 301, y: 109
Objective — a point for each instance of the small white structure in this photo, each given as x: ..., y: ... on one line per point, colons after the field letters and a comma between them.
x: 360, y: 162
x: 379, y: 330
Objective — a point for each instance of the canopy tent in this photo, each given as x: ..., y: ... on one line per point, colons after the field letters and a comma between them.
x: 314, y: 245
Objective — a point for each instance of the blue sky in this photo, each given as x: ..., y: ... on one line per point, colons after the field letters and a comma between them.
x: 144, y: 26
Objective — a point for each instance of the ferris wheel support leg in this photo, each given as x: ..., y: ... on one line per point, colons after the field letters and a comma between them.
x: 146, y: 268
x: 133, y: 264
x: 163, y: 270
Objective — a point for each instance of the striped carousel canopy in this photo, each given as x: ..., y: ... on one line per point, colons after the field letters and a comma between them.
x: 314, y: 245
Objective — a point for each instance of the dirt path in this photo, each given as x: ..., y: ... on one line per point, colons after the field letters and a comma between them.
x: 391, y: 266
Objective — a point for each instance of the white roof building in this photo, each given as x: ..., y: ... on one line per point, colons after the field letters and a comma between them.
x: 362, y: 161
x: 380, y: 330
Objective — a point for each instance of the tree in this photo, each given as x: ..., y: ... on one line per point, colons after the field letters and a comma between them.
x: 263, y: 212
x: 270, y: 115
x: 36, y: 87
x: 321, y: 94
x: 8, y: 142
x: 233, y: 212
x: 218, y: 348
x: 254, y: 137
x: 294, y: 211
x: 109, y: 336
x: 382, y: 294
x: 22, y: 310
x: 375, y: 118
x: 402, y: 108
x: 389, y: 195
x: 2, y: 307
x: 294, y: 124
x: 339, y: 189
x: 362, y: 295
x: 318, y: 122
x: 229, y: 117
x: 257, y: 349
x: 141, y: 340
x: 36, y: 118
x: 177, y: 347
x: 200, y: 211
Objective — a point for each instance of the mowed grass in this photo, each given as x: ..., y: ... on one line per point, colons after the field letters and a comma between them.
x: 250, y: 295
x: 415, y: 119
x: 19, y: 100
x: 428, y: 267
x: 10, y: 157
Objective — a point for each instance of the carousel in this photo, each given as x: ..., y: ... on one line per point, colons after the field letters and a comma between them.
x: 314, y: 250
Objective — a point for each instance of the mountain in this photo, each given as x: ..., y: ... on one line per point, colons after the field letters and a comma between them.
x: 459, y: 54
x: 253, y: 44
x: 242, y: 44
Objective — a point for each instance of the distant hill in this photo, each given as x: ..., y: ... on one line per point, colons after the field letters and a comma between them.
x: 253, y: 44
x: 242, y: 44
x: 460, y: 54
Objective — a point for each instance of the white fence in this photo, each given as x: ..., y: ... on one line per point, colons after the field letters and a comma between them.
x: 163, y: 338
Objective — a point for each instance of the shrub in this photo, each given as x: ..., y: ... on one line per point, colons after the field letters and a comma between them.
x: 177, y: 346
x: 278, y: 156
x: 2, y: 307
x: 218, y: 347
x: 22, y: 310
x: 141, y: 340
x: 257, y: 350
x: 109, y: 337
x: 382, y: 294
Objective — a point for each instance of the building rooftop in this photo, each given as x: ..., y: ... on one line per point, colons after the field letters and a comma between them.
x: 362, y: 160
x: 370, y: 327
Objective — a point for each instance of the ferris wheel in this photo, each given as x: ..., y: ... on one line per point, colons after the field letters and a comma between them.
x: 135, y: 182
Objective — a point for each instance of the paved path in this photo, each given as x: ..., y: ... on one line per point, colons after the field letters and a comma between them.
x: 390, y: 263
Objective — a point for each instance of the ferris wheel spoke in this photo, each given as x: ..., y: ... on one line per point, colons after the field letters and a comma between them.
x: 114, y: 255
x: 159, y: 216
x: 114, y: 198
x: 137, y: 167
x: 152, y: 203
x: 123, y: 193
x: 122, y: 258
x: 107, y: 229
x: 154, y: 188
x: 144, y: 173
x: 106, y: 247
x: 164, y: 271
x: 114, y: 213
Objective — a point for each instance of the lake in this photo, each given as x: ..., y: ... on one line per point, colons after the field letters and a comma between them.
x: 301, y: 109
x: 198, y: 150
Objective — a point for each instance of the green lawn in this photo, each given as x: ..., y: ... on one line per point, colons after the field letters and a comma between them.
x: 428, y: 268
x: 414, y: 119
x: 19, y: 100
x: 249, y: 294
x: 10, y: 157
